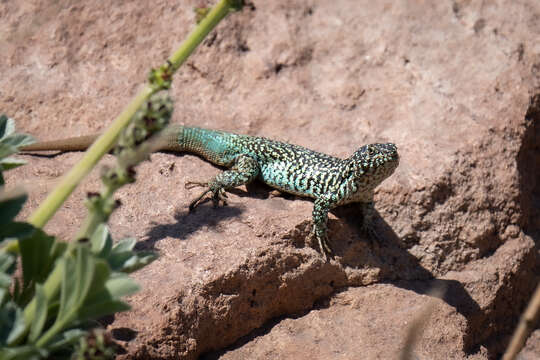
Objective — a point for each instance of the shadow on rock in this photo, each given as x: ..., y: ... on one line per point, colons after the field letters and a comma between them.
x: 187, y: 223
x: 382, y: 249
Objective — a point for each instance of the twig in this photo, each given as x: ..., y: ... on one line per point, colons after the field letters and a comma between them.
x: 525, y: 326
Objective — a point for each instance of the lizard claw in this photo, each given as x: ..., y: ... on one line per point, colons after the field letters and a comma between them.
x: 193, y: 184
x: 197, y: 200
x: 369, y: 230
x: 324, y: 246
x: 217, y: 194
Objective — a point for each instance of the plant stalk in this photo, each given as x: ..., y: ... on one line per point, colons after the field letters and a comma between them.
x: 106, y: 141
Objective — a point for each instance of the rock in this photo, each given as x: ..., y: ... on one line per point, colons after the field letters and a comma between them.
x: 356, y: 322
x: 455, y: 86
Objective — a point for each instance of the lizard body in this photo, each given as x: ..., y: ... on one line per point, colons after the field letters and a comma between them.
x: 330, y: 181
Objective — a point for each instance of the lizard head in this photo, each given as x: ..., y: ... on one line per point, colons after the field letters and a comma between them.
x: 376, y: 160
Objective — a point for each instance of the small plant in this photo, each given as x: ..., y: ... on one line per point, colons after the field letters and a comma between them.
x: 64, y: 286
x: 50, y: 309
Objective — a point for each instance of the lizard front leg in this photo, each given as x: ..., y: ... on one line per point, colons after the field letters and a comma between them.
x: 244, y: 170
x: 320, y: 219
x: 368, y: 211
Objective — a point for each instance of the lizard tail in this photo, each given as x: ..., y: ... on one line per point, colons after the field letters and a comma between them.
x: 79, y: 143
x: 171, y: 139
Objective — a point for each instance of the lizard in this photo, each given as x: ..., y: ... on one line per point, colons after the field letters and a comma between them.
x: 328, y: 180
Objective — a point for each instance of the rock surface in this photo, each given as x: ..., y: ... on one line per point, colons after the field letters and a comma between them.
x: 456, y: 85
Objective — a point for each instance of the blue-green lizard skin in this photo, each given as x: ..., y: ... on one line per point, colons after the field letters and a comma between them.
x: 290, y: 168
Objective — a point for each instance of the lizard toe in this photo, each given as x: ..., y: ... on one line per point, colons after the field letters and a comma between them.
x: 219, y: 195
x: 193, y: 184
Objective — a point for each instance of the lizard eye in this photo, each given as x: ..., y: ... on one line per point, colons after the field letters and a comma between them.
x: 370, y: 151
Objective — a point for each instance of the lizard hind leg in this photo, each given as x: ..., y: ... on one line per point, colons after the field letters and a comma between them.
x: 244, y: 170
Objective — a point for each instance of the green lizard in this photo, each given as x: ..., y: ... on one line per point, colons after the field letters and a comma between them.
x: 330, y: 181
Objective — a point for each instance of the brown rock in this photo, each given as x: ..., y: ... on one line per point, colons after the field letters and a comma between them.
x: 456, y: 87
x: 355, y: 324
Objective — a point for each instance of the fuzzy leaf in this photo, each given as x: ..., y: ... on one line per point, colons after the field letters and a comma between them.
x: 124, y: 245
x: 17, y: 140
x: 6, y: 150
x: 10, y: 205
x: 121, y: 256
x: 77, y: 280
x: 26, y: 352
x: 101, y: 241
x: 40, y: 315
x: 121, y: 285
x: 17, y: 324
x: 7, y: 126
x: 9, y: 163
x: 16, y: 230
x: 107, y: 300
x: 7, y: 267
x: 37, y: 256
x: 65, y: 338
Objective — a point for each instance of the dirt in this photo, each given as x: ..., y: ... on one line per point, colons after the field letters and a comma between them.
x: 456, y: 85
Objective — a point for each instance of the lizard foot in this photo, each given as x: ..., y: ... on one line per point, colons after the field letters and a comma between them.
x: 218, y: 194
x: 324, y: 245
x: 369, y: 229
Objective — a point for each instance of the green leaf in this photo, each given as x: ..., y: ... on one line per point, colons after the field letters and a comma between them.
x: 6, y: 150
x: 102, y: 308
x: 16, y: 230
x: 7, y: 267
x: 67, y: 266
x: 18, y: 325
x: 65, y: 339
x: 121, y: 256
x: 85, y: 268
x: 36, y: 256
x: 104, y: 296
x: 8, y: 313
x: 121, y: 285
x: 10, y: 205
x: 7, y: 263
x: 9, y: 163
x: 9, y: 140
x: 7, y: 126
x: 17, y: 140
x: 4, y: 292
x: 40, y: 314
x: 101, y: 276
x: 128, y: 262
x: 101, y: 241
x: 26, y: 352
x: 124, y: 245
x: 78, y: 276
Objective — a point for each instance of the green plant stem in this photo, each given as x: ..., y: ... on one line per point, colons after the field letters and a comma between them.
x: 95, y: 217
x: 99, y: 148
x: 210, y: 21
x: 105, y: 142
